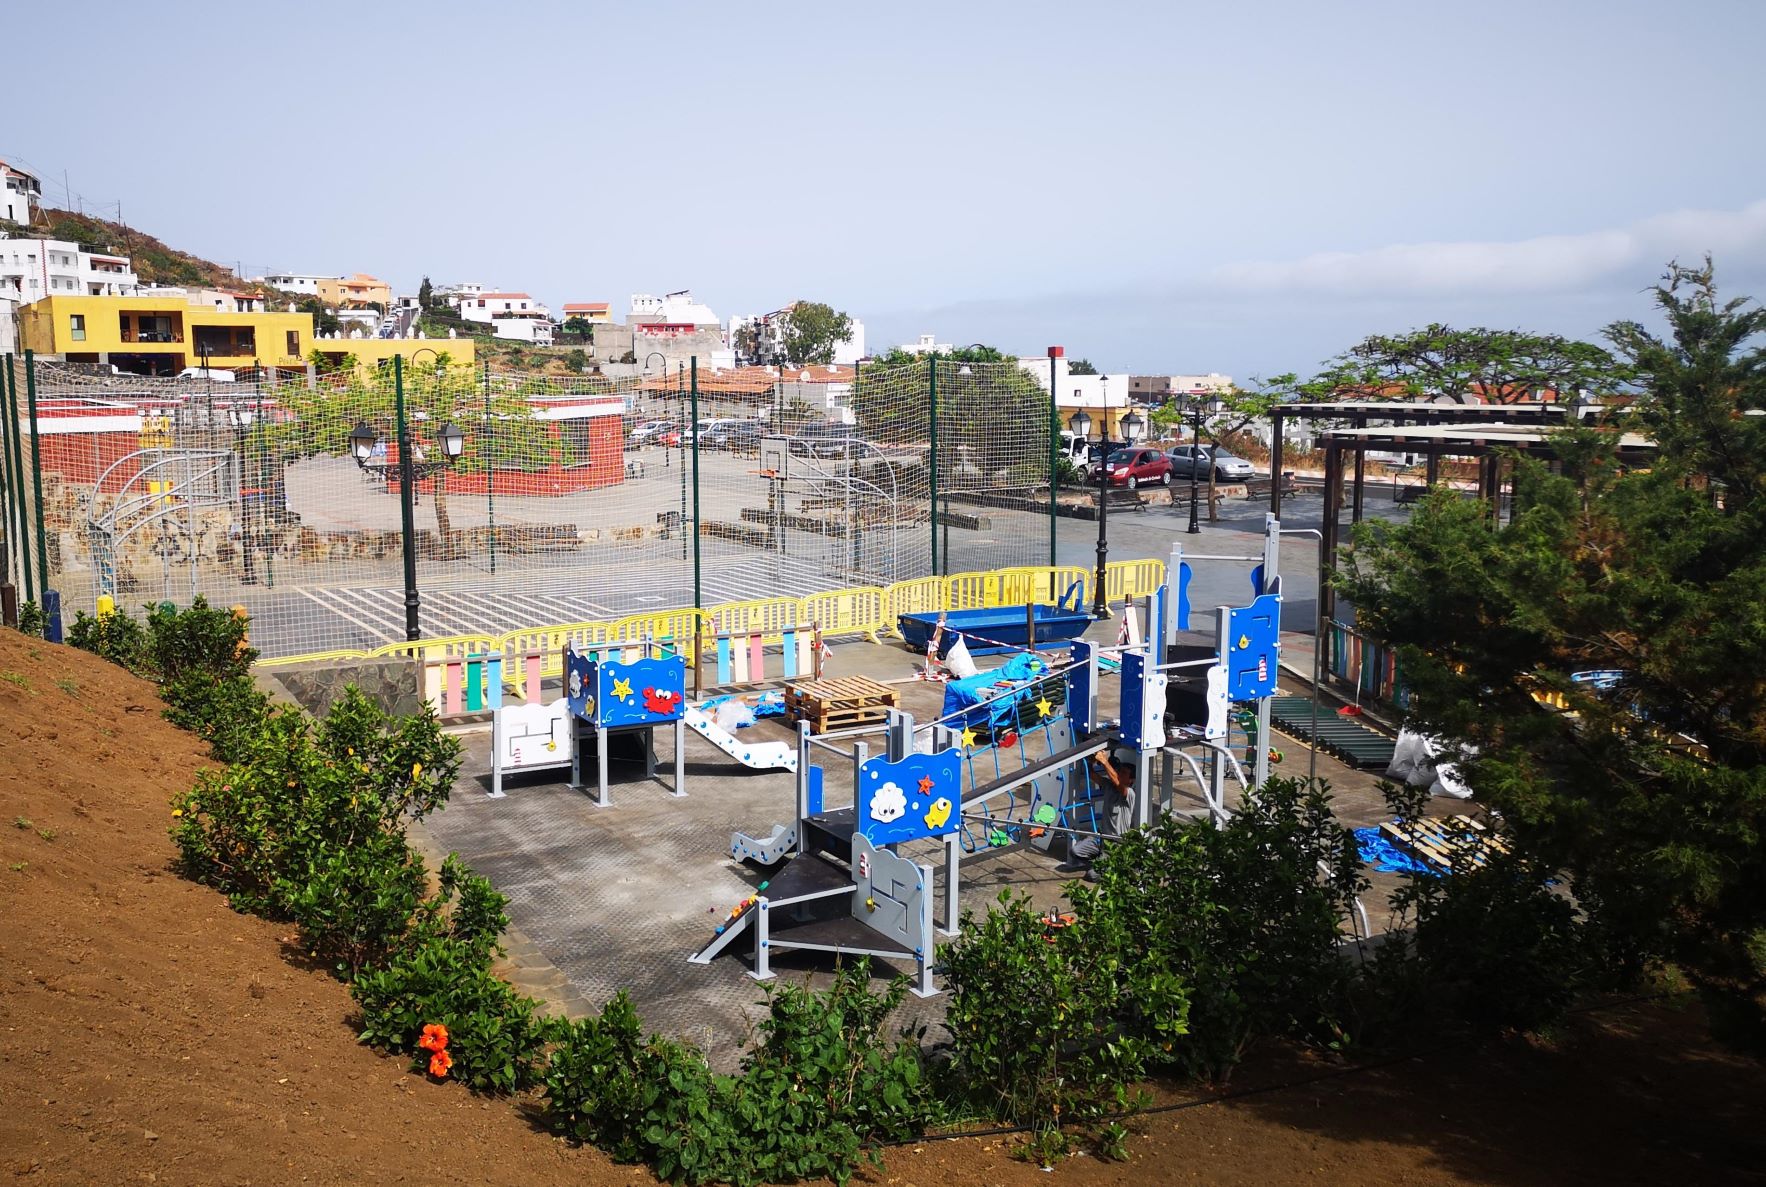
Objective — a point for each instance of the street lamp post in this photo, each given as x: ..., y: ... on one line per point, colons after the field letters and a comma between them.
x: 242, y: 420
x: 1195, y: 528
x: 411, y: 471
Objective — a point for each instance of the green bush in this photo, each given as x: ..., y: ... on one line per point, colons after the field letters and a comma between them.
x: 202, y: 640
x: 1247, y: 916
x: 115, y: 637
x: 226, y: 713
x: 495, y: 1035
x: 31, y: 620
x: 1054, y: 1025
x: 1481, y: 948
x: 818, y: 1093
x: 354, y: 903
x: 298, y: 799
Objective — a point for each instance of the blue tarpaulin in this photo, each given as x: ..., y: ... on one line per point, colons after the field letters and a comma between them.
x: 1020, y: 670
x: 1384, y: 856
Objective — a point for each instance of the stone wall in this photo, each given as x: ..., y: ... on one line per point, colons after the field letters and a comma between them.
x: 395, y: 683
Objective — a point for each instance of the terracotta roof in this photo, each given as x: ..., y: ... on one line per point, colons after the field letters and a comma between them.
x: 503, y: 296
x: 585, y: 306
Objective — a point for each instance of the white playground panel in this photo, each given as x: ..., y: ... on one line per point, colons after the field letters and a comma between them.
x: 762, y: 756
x: 529, y: 738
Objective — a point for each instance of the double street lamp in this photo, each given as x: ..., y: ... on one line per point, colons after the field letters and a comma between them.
x: 1130, y: 426
x: 241, y: 418
x: 412, y: 468
x: 1196, y: 456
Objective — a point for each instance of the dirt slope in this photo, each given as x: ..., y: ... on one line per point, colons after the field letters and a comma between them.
x: 150, y: 1034
x: 147, y: 1032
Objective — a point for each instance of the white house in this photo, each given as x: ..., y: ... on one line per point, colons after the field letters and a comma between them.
x: 510, y: 315
x: 31, y: 269
x: 678, y: 308
x: 927, y: 344
x: 21, y: 195
x: 294, y: 282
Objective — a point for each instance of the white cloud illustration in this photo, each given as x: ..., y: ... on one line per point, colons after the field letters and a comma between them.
x: 890, y: 803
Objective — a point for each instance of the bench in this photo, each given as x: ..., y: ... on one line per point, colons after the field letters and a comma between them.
x: 1258, y: 488
x: 1408, y: 494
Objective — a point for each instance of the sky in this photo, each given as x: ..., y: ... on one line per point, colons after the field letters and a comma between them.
x: 1167, y: 187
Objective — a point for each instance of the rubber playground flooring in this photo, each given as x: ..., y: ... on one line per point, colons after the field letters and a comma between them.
x: 603, y: 899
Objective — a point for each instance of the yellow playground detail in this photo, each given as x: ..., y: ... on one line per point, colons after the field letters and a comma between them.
x: 869, y: 611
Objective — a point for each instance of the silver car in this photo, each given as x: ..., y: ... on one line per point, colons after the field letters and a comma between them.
x: 1200, y: 459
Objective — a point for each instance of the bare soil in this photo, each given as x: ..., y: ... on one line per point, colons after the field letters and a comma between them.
x: 150, y: 1034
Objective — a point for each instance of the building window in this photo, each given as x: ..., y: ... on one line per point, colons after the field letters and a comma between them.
x: 76, y: 325
x: 294, y: 343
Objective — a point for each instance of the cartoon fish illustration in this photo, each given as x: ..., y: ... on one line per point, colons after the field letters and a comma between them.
x: 938, y: 815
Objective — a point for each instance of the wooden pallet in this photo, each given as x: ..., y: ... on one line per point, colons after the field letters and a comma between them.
x: 1441, y: 841
x: 839, y: 702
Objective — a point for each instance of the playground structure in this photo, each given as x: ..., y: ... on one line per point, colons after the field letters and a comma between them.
x: 613, y: 698
x: 845, y: 857
x: 1024, y: 741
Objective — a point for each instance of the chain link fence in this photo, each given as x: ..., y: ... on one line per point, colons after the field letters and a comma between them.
x: 535, y: 501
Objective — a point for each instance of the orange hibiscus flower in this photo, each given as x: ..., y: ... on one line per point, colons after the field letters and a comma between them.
x: 439, y: 1063
x: 435, y: 1037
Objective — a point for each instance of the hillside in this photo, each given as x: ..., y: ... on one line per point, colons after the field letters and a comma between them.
x: 155, y: 263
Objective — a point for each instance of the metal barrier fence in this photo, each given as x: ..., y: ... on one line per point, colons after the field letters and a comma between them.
x: 534, y: 498
x: 867, y: 611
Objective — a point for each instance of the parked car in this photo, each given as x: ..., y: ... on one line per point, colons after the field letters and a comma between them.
x: 741, y: 435
x: 1200, y: 459
x: 1086, y: 456
x: 646, y: 432
x: 828, y: 440
x: 1138, y: 466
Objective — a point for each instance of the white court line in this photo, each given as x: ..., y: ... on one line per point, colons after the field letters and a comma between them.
x: 314, y: 597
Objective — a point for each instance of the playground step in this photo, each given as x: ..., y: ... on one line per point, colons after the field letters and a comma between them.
x: 1343, y: 738
x: 840, y: 933
x: 831, y: 832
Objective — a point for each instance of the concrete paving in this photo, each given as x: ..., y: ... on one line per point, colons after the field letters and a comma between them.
x: 608, y: 898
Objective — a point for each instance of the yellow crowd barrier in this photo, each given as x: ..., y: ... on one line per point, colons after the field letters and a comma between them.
x: 869, y: 611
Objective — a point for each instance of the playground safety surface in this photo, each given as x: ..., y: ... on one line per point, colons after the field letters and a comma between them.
x: 148, y: 1034
x: 608, y: 898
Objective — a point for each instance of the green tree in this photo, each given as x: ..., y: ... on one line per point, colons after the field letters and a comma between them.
x: 577, y: 360
x: 811, y: 332
x: 1081, y: 367
x: 1651, y: 797
x: 425, y: 294
x: 1501, y: 366
x: 579, y: 329
x: 499, y: 423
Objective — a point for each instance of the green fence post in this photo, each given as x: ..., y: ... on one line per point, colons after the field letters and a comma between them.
x: 11, y: 492
x: 37, y: 473
x: 932, y: 468
x: 23, y: 549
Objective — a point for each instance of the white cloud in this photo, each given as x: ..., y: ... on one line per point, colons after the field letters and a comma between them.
x: 1548, y: 263
x: 889, y: 803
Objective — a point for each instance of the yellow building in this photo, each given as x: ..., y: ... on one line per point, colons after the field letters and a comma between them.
x: 354, y: 292
x: 379, y: 352
x: 162, y: 335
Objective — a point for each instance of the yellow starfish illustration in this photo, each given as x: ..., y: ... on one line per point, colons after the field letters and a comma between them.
x: 968, y: 738
x: 622, y: 689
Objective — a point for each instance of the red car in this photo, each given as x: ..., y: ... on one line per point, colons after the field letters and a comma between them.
x: 1136, y: 466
